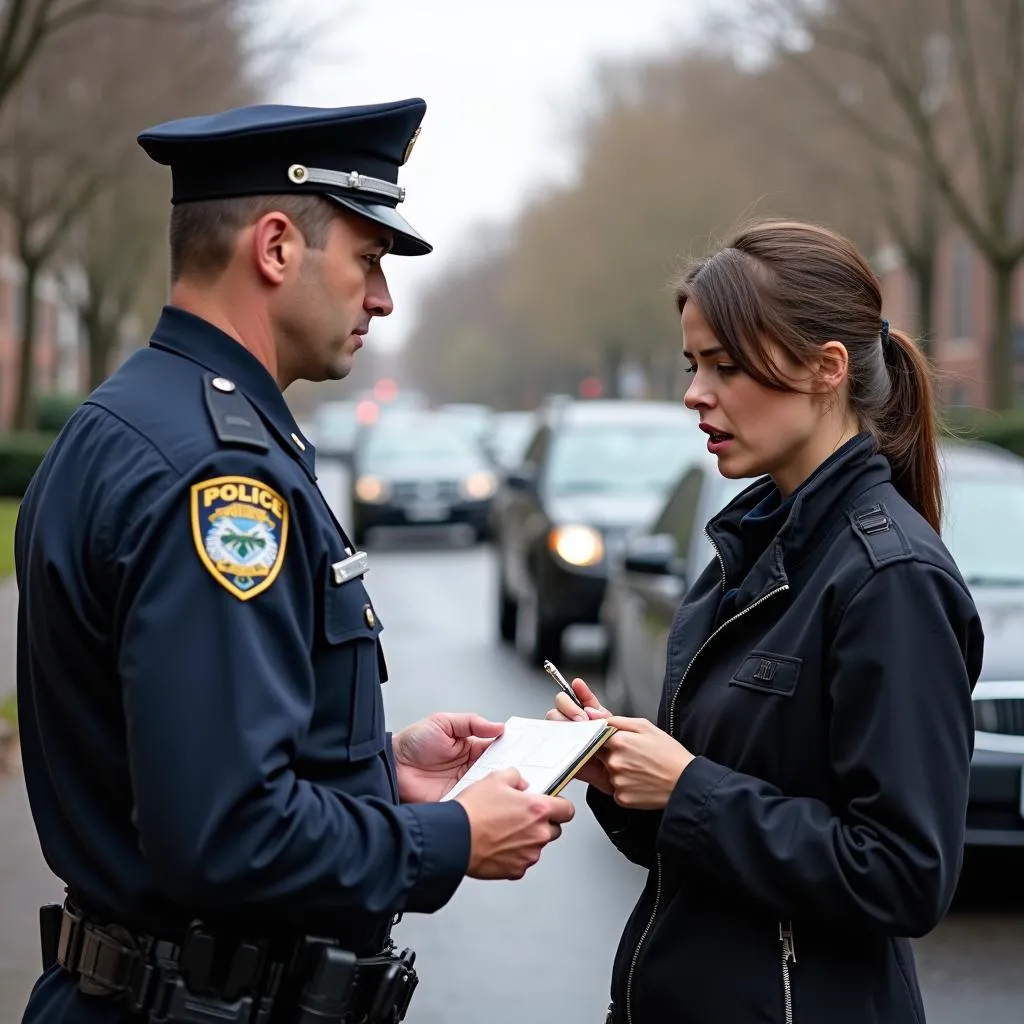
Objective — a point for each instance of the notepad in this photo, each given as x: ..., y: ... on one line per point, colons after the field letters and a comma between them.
x: 547, y: 754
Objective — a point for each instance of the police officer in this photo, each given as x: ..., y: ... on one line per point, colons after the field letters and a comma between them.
x: 199, y: 661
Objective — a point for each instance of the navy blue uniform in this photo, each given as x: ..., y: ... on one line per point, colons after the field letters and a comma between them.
x: 199, y: 696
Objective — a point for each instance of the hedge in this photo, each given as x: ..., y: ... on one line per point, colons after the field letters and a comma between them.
x: 20, y: 455
x: 1003, y: 429
x: 54, y: 410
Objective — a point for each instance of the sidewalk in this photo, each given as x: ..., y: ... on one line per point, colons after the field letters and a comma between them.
x: 25, y: 880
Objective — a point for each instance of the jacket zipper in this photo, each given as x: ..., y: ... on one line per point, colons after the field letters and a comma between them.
x: 788, y: 957
x: 640, y: 944
x: 671, y: 730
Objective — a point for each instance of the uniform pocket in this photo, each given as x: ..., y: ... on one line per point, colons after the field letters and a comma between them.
x: 768, y: 673
x: 349, y: 680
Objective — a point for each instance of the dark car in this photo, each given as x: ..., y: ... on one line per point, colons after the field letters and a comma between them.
x: 593, y: 472
x: 420, y: 469
x: 983, y: 489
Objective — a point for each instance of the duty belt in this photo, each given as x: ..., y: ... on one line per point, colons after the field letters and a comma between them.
x: 218, y: 979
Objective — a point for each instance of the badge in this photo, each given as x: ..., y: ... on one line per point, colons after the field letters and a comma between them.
x: 240, y: 529
x: 408, y: 149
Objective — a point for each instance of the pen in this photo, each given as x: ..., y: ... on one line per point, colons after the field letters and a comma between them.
x: 563, y: 685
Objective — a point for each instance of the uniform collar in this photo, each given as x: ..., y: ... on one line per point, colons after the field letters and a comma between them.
x: 198, y: 340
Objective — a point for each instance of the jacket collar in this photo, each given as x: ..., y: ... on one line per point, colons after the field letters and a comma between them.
x: 198, y: 340
x: 854, y: 468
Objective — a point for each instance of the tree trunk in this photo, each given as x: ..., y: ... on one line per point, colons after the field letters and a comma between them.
x: 924, y: 286
x: 25, y: 409
x: 100, y: 340
x: 1001, y: 382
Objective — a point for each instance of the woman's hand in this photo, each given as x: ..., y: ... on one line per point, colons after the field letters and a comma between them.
x: 642, y: 763
x: 593, y: 772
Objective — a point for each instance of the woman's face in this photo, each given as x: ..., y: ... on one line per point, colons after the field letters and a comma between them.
x: 753, y: 430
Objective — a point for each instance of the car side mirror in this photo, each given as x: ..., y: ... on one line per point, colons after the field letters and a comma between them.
x: 653, y: 555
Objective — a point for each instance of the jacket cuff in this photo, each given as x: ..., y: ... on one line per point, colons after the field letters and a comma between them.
x: 442, y: 833
x: 609, y: 815
x: 682, y: 824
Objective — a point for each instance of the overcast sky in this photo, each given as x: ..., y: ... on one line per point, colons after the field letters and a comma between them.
x: 502, y: 81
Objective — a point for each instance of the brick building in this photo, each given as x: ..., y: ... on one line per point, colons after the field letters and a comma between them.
x: 962, y: 318
x: 58, y: 356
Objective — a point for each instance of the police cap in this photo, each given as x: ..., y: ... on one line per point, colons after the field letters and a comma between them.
x: 350, y: 155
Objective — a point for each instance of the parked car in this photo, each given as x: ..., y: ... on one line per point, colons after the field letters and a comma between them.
x: 476, y: 417
x: 416, y: 469
x: 335, y: 428
x: 984, y: 499
x: 592, y: 473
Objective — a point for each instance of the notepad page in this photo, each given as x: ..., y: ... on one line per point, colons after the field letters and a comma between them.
x: 540, y: 750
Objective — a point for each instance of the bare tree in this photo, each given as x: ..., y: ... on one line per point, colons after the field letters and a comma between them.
x: 118, y: 254
x: 69, y: 131
x: 660, y: 181
x: 27, y: 26
x: 887, y: 202
x: 953, y: 73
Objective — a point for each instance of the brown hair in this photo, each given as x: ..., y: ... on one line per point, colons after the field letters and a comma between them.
x: 203, y: 233
x: 798, y: 286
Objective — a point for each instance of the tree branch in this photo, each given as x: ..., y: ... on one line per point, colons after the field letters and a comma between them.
x: 969, y: 85
x: 882, y: 140
x: 12, y: 22
x: 1011, y: 96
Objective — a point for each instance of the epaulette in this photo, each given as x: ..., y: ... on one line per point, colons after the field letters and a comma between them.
x: 880, y: 534
x: 235, y: 421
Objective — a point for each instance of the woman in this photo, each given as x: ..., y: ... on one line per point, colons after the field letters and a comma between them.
x: 801, y: 803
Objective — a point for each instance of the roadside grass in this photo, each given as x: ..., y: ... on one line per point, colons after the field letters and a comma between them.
x: 8, y: 515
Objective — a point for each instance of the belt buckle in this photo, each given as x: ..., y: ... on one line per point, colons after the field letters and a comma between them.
x: 69, y: 944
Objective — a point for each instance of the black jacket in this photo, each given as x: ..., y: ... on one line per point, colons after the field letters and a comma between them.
x: 822, y: 821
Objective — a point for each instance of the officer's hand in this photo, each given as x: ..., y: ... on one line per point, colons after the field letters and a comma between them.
x: 433, y: 754
x: 593, y: 773
x: 509, y: 827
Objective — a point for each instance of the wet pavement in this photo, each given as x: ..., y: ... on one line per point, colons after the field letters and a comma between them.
x: 537, y: 951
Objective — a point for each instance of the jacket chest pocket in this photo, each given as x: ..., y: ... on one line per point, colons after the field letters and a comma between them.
x: 769, y: 674
x: 349, y: 673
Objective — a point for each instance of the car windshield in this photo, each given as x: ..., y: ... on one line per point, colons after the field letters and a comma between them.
x: 417, y: 440
x: 619, y: 457
x: 336, y: 424
x: 510, y: 436
x: 982, y: 527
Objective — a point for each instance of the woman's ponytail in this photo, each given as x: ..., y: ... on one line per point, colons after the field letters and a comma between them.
x: 906, y: 429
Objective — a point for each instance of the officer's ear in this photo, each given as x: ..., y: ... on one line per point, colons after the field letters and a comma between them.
x: 276, y: 246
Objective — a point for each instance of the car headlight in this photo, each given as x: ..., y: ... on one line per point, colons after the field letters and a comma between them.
x: 371, y: 490
x: 577, y: 545
x: 478, y: 486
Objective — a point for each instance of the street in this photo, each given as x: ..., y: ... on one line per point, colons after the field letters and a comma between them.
x: 539, y: 950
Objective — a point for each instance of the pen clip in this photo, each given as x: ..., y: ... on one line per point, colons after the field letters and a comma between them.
x: 563, y: 684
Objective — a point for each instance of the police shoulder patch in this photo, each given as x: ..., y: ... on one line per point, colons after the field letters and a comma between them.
x: 240, y: 530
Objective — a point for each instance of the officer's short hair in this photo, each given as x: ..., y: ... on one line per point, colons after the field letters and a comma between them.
x: 203, y: 233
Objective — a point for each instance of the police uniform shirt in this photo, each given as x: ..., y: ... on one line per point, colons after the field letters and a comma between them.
x: 200, y: 703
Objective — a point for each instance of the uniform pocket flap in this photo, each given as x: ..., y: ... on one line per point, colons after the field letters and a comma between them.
x: 768, y: 673
x: 348, y: 612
